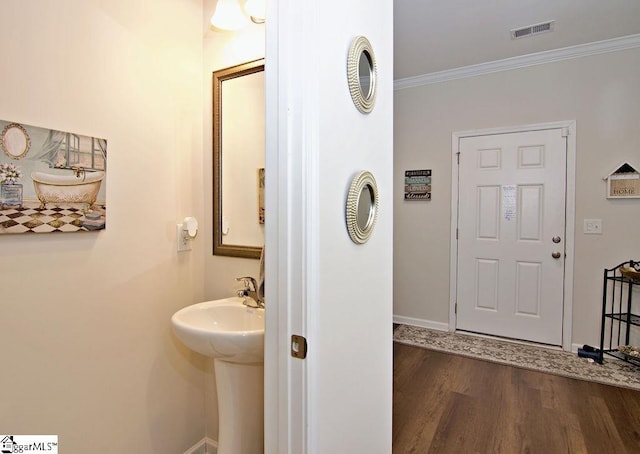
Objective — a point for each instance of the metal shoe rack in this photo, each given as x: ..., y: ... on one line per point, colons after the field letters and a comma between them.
x: 618, y: 317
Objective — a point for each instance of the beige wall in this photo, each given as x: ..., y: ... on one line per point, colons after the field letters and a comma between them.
x: 86, y: 341
x: 600, y: 92
x: 221, y: 50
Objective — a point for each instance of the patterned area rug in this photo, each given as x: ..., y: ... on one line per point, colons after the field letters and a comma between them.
x: 612, y: 372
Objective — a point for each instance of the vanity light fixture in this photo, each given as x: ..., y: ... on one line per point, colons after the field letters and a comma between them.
x: 229, y: 15
x: 257, y: 10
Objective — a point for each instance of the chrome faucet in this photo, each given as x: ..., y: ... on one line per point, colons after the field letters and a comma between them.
x: 250, y: 292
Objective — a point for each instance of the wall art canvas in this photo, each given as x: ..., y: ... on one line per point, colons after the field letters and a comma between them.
x: 51, y: 181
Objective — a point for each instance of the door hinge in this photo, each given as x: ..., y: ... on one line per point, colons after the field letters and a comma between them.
x: 457, y: 233
x: 455, y: 308
x: 565, y: 132
x: 298, y: 346
x: 458, y: 156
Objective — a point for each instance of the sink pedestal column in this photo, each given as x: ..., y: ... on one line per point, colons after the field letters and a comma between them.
x: 240, y: 388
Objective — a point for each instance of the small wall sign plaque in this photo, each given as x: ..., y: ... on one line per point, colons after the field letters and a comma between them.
x: 623, y: 182
x: 417, y: 184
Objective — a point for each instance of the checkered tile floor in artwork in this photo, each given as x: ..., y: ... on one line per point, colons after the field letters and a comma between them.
x: 31, y: 218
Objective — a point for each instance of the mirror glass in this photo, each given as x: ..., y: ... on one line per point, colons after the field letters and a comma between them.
x: 361, y: 74
x: 365, y: 207
x: 239, y: 160
x: 365, y: 71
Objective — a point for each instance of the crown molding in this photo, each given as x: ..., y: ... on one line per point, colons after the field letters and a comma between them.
x: 523, y: 61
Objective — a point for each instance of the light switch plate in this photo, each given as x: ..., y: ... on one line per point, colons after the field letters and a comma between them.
x: 593, y: 226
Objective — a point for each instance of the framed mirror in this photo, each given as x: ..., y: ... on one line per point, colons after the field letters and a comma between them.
x: 362, y: 207
x: 362, y: 74
x: 238, y: 160
x: 15, y: 141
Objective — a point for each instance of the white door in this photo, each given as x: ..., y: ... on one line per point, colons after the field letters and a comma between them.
x: 320, y: 284
x: 511, y: 235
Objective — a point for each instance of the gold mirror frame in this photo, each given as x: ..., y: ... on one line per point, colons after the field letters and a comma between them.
x: 361, y: 46
x: 363, y: 181
x: 8, y: 145
x: 219, y: 248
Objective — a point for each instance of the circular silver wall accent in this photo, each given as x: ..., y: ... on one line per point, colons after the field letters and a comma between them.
x: 362, y: 74
x: 362, y: 207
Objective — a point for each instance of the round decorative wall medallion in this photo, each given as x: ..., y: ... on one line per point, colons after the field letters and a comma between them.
x: 362, y: 207
x: 362, y: 74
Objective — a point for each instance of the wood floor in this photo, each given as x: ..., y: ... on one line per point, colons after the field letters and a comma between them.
x: 450, y: 404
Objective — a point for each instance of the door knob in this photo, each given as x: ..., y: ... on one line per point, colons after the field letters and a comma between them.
x: 556, y: 239
x: 556, y: 255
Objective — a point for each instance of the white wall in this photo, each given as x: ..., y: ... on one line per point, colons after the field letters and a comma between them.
x: 222, y: 49
x: 600, y: 92
x: 86, y: 339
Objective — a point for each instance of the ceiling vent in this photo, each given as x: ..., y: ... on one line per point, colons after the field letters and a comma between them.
x: 532, y: 29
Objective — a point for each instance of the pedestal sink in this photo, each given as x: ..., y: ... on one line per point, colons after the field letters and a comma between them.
x: 233, y: 335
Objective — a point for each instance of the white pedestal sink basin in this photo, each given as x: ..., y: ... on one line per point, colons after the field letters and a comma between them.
x: 225, y: 329
x: 233, y: 335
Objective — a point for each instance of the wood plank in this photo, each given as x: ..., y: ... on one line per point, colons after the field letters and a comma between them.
x: 446, y: 403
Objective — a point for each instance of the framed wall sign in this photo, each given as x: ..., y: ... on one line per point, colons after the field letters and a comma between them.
x: 417, y: 184
x: 623, y: 182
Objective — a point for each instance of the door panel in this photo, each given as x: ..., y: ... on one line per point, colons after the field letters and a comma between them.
x: 528, y: 281
x: 487, y: 282
x: 511, y: 205
x: 488, y: 212
x: 530, y: 220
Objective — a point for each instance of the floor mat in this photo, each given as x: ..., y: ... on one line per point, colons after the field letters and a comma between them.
x: 611, y: 372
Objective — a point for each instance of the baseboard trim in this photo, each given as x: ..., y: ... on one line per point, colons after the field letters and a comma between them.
x: 204, y: 446
x: 212, y: 446
x: 420, y: 323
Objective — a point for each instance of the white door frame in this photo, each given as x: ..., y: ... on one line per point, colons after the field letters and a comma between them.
x: 570, y: 125
x: 285, y: 377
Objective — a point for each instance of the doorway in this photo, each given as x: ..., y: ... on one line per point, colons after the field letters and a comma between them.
x: 512, y: 232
